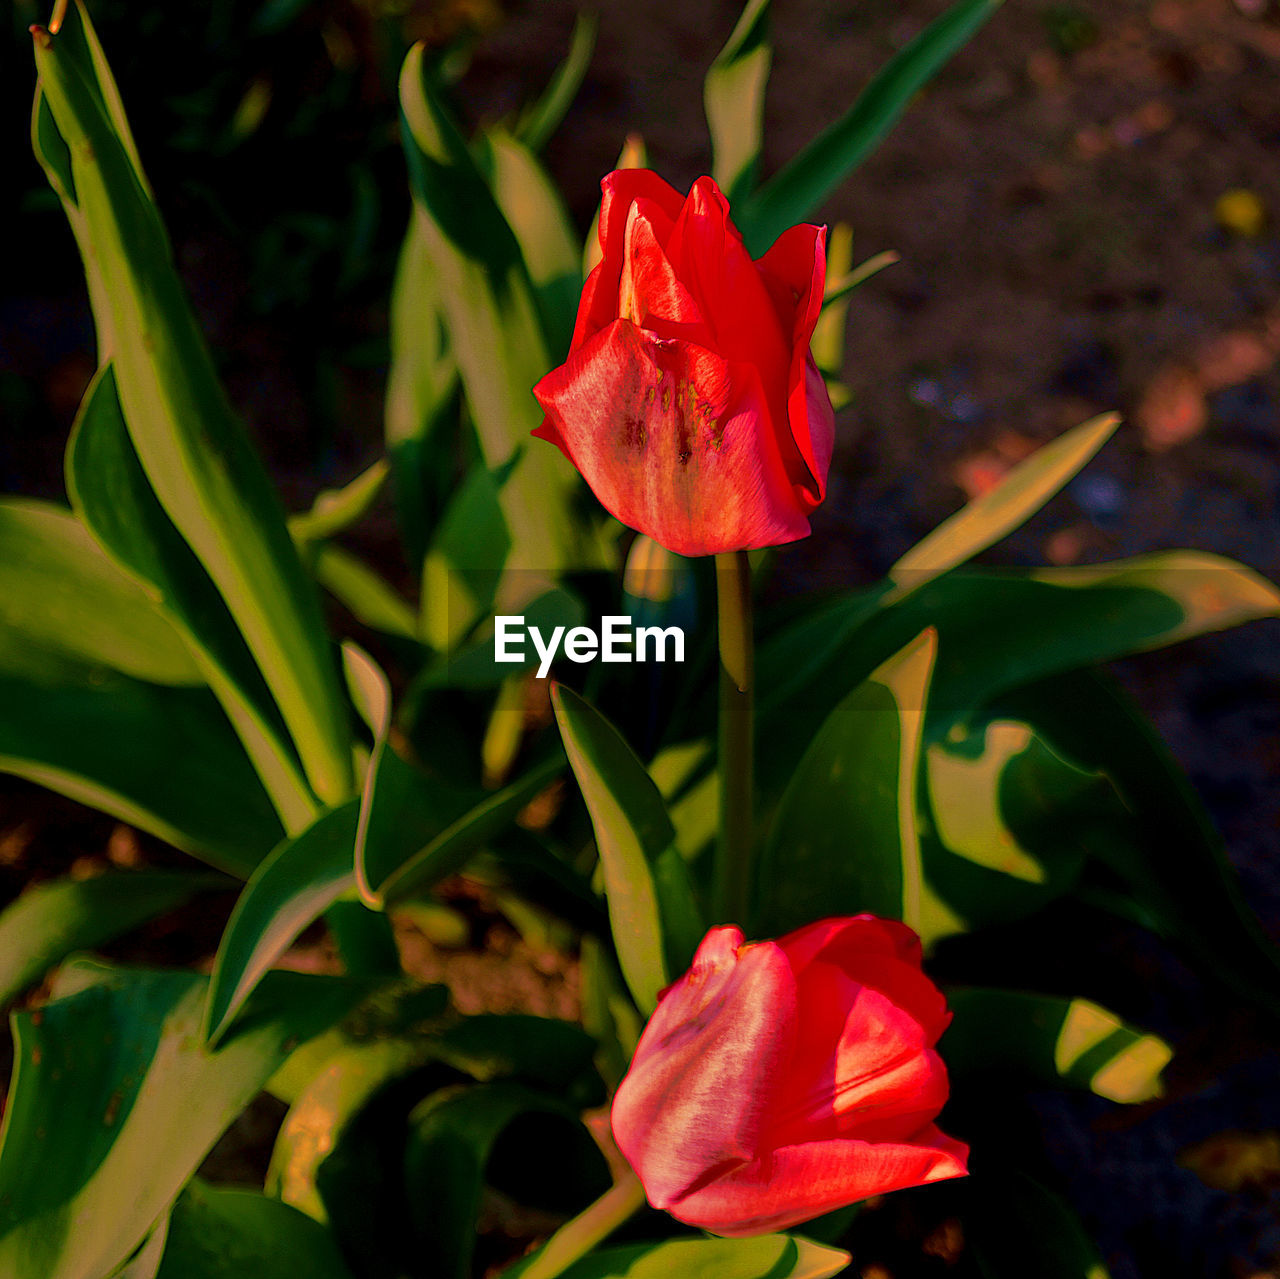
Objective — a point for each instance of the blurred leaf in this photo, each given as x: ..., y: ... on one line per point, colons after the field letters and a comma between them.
x: 115, y: 500
x: 655, y: 919
x: 608, y: 1013
x: 100, y: 1075
x: 839, y: 286
x: 1048, y: 1040
x: 217, y: 1233
x: 485, y: 294
x: 535, y: 212
x: 43, y: 926
x: 794, y: 193
x: 195, y: 452
x: 827, y: 344
x: 995, y: 514
x: 1235, y: 1161
x: 844, y: 839
x: 733, y: 95
x: 335, y: 510
x: 60, y: 594
x: 763, y: 1257
x: 290, y: 890
x: 365, y: 595
x: 1015, y: 1227
x: 422, y: 385
x: 463, y: 566
x: 145, y: 1263
x: 541, y: 119
x: 1162, y: 847
x: 454, y: 1134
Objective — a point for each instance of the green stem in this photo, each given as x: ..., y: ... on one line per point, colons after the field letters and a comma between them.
x: 737, y: 680
x: 578, y: 1236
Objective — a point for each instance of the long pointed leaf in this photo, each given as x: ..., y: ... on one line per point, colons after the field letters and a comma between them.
x: 733, y: 95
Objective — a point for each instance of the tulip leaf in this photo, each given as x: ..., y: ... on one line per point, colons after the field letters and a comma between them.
x: 654, y: 916
x: 290, y: 890
x: 1163, y: 846
x: 194, y: 451
x: 422, y: 395
x: 1007, y: 821
x: 454, y: 1139
x: 362, y: 592
x: 183, y: 776
x: 43, y: 926
x: 114, y: 498
x: 540, y: 120
x: 827, y: 343
x: 535, y: 212
x: 608, y: 1013
x: 1050, y: 1040
x: 1016, y: 1227
x: 217, y: 1233
x: 794, y: 193
x: 335, y: 510
x: 733, y: 95
x: 487, y: 300
x: 100, y: 1074
x: 844, y: 839
x: 60, y: 594
x: 762, y: 1257
x: 995, y: 514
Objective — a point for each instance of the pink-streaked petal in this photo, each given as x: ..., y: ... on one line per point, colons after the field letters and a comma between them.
x: 795, y: 1183
x: 674, y: 440
x: 703, y: 1076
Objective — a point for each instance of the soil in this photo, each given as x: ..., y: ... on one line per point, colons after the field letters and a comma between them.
x: 1087, y: 208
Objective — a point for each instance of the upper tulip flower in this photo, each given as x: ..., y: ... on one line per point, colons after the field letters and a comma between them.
x: 781, y: 1080
x: 689, y: 401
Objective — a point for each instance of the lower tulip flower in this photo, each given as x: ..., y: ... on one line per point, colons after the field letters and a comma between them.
x: 781, y: 1080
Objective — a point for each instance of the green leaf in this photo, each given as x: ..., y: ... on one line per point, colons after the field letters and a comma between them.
x: 795, y: 192
x: 43, y: 926
x: 1048, y: 1040
x: 1161, y: 845
x: 217, y: 1233
x: 335, y: 510
x: 655, y: 919
x: 60, y: 594
x: 844, y: 839
x: 113, y: 497
x: 421, y: 400
x: 362, y: 592
x: 493, y: 321
x: 995, y: 514
x: 454, y: 1134
x: 536, y: 214
x: 764, y: 1257
x: 290, y: 890
x: 195, y: 452
x: 1006, y: 822
x: 733, y: 95
x: 827, y: 343
x: 539, y: 121
x: 1015, y: 1227
x: 101, y: 1074
x: 163, y: 759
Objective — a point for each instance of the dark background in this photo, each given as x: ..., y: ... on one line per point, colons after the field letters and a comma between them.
x: 1056, y: 197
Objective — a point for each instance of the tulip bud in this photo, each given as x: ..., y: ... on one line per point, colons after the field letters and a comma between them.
x: 690, y: 401
x: 781, y: 1080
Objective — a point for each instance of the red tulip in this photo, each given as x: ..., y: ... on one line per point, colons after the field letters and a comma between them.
x: 689, y: 401
x: 780, y: 1080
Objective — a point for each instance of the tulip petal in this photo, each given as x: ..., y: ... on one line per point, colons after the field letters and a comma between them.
x: 649, y: 294
x: 674, y: 440
x: 849, y: 936
x: 704, y: 1073
x: 796, y: 1183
